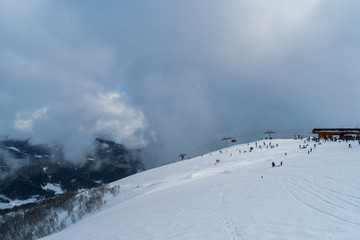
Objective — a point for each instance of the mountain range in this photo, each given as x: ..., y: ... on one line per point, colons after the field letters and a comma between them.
x: 31, y: 172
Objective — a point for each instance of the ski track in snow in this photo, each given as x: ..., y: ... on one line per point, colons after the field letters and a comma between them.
x: 319, y: 198
x: 230, y: 227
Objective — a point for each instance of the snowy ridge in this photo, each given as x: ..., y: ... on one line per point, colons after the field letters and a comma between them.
x: 14, y: 149
x: 312, y: 196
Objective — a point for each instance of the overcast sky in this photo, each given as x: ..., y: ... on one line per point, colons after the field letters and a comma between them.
x: 175, y: 77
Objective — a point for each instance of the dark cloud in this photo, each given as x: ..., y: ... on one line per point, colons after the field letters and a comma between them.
x: 177, y: 76
x: 58, y: 86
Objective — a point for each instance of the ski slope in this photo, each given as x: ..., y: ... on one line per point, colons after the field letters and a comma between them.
x: 312, y: 196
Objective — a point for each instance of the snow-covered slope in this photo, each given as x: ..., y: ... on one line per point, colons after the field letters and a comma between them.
x: 312, y: 196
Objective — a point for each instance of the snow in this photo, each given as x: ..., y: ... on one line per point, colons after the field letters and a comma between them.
x: 54, y: 187
x: 312, y: 196
x: 13, y: 148
x: 16, y: 202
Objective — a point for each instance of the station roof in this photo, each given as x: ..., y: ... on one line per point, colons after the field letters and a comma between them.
x: 337, y: 130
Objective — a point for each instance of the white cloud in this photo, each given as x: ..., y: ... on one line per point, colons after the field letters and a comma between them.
x: 24, y: 121
x: 113, y: 117
x: 23, y: 125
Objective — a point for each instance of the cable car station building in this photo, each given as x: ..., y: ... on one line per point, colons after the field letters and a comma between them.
x: 343, y: 133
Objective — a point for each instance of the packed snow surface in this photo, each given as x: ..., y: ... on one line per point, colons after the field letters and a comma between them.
x: 313, y: 195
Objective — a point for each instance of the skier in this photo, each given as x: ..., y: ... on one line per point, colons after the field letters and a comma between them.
x: 273, y: 164
x: 281, y: 163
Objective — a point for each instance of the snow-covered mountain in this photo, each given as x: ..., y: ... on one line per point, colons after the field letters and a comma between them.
x: 315, y: 194
x: 31, y: 172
